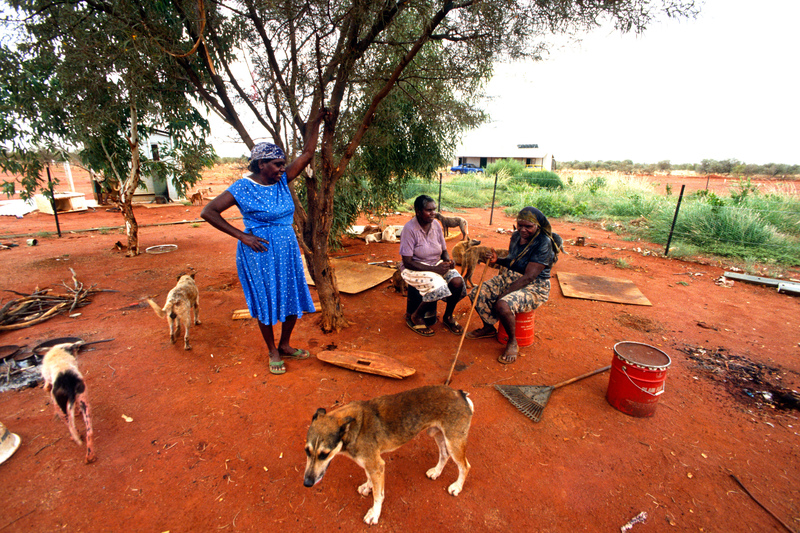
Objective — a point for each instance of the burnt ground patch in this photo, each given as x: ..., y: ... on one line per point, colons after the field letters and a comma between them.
x: 751, y: 383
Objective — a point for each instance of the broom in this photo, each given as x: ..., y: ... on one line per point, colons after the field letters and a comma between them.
x: 531, y: 399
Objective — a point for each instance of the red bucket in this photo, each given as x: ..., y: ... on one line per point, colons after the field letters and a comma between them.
x: 524, y: 330
x: 638, y: 372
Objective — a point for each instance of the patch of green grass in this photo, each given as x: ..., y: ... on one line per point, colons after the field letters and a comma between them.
x: 755, y: 224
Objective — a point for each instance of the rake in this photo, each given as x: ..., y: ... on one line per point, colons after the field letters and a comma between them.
x: 531, y: 399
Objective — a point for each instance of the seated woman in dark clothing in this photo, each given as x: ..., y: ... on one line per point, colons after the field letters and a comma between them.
x: 427, y: 267
x: 524, y: 283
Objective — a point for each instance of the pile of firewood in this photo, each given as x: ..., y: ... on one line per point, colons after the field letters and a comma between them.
x: 41, y: 305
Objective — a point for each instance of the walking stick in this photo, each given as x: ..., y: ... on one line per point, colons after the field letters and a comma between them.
x: 466, y: 326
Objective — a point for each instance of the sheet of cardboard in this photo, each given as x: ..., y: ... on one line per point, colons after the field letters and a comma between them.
x: 600, y: 288
x: 352, y: 277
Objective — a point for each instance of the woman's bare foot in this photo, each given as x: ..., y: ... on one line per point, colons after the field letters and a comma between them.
x: 511, y: 353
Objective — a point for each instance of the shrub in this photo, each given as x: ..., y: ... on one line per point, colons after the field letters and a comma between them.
x: 511, y: 167
x: 543, y: 178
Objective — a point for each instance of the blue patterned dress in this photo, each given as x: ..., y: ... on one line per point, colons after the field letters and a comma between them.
x: 273, y: 282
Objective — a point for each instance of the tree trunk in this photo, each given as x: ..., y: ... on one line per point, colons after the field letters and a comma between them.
x: 319, y: 220
x: 129, y: 187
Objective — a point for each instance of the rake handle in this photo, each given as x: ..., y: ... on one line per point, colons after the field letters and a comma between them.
x: 582, y: 376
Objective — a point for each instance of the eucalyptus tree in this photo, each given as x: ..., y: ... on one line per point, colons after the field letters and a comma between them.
x: 264, y: 66
x: 350, y: 56
x: 84, y: 82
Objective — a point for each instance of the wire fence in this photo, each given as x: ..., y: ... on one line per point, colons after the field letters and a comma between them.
x: 751, y: 221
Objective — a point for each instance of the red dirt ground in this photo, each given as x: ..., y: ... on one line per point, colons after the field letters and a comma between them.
x: 215, y: 443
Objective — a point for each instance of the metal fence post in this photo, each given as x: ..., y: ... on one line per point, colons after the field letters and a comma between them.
x: 439, y: 202
x: 494, y: 191
x: 671, y: 229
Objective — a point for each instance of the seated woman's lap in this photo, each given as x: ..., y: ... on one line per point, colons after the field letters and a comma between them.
x: 520, y: 301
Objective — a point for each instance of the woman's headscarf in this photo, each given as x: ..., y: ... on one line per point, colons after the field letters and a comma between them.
x: 266, y: 151
x: 531, y: 214
x: 263, y: 151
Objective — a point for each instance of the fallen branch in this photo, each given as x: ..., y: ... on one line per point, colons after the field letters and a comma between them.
x: 40, y: 306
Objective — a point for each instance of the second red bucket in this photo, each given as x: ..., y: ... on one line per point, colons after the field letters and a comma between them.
x: 524, y: 330
x: 638, y: 372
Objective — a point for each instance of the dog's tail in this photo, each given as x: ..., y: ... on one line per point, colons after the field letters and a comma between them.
x: 465, y: 395
x: 160, y: 312
x: 66, y: 387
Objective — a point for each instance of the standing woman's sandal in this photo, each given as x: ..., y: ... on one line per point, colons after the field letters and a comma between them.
x: 277, y: 367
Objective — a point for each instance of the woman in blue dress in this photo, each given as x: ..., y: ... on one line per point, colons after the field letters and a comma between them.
x: 268, y: 257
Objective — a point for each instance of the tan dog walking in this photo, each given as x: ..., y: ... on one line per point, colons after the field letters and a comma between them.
x: 183, y: 301
x: 363, y: 430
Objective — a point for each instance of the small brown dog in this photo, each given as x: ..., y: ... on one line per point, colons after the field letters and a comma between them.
x: 452, y: 222
x: 475, y: 255
x: 198, y: 196
x: 183, y: 301
x: 66, y: 386
x: 363, y: 430
x: 460, y: 248
x: 399, y: 283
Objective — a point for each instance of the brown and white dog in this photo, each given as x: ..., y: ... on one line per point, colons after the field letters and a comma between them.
x: 363, y: 430
x: 66, y: 386
x: 183, y: 301
x: 452, y: 222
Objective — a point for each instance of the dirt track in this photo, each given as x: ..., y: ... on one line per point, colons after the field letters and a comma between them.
x: 215, y: 443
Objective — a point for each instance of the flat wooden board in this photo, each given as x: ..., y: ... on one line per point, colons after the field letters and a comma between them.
x: 352, y: 277
x: 600, y: 288
x: 369, y: 362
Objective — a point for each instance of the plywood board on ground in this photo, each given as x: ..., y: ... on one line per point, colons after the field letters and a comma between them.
x: 369, y: 362
x: 601, y: 288
x: 352, y: 277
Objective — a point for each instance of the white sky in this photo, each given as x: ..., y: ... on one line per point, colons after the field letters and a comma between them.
x: 721, y: 86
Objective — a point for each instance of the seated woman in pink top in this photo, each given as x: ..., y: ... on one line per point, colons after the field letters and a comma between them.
x: 427, y: 267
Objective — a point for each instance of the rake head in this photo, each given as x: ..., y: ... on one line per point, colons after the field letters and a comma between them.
x: 529, y: 400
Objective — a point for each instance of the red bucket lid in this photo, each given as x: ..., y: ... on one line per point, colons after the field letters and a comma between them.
x: 641, y: 354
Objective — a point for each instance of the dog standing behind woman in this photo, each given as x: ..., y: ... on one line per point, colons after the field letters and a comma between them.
x: 453, y: 222
x: 182, y: 301
x: 67, y: 389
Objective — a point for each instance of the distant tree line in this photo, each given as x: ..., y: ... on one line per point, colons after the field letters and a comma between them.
x: 707, y: 166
